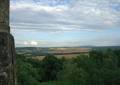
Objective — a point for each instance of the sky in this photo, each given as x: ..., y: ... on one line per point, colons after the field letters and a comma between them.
x: 58, y: 23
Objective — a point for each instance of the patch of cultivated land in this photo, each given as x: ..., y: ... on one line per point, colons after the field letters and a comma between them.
x: 67, y: 53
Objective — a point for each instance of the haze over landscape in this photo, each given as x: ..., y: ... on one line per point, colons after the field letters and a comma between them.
x: 56, y: 23
x: 60, y: 42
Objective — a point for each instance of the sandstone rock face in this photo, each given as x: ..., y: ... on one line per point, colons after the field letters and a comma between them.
x: 7, y: 59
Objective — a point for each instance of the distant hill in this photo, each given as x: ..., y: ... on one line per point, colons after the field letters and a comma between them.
x: 105, y: 47
x: 44, y: 50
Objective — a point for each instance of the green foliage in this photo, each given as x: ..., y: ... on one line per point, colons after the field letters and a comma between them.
x: 26, y: 73
x: 31, y: 72
x: 50, y: 66
x: 99, y: 68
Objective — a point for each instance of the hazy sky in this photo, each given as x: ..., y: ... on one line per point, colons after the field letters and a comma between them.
x: 46, y: 23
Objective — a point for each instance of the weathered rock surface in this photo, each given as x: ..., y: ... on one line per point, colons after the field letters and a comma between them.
x: 4, y: 11
x: 7, y: 48
x: 7, y: 57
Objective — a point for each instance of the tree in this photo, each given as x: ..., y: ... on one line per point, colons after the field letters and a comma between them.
x: 50, y: 65
x: 26, y: 73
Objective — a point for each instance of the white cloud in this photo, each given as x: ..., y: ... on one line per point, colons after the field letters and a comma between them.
x: 45, y: 43
x: 58, y: 16
x: 80, y: 14
x: 34, y: 43
x: 98, y: 41
x: 26, y: 43
x: 35, y: 7
x: 22, y: 43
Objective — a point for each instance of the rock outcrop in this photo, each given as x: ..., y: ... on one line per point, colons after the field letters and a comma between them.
x: 7, y: 48
x: 7, y: 59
